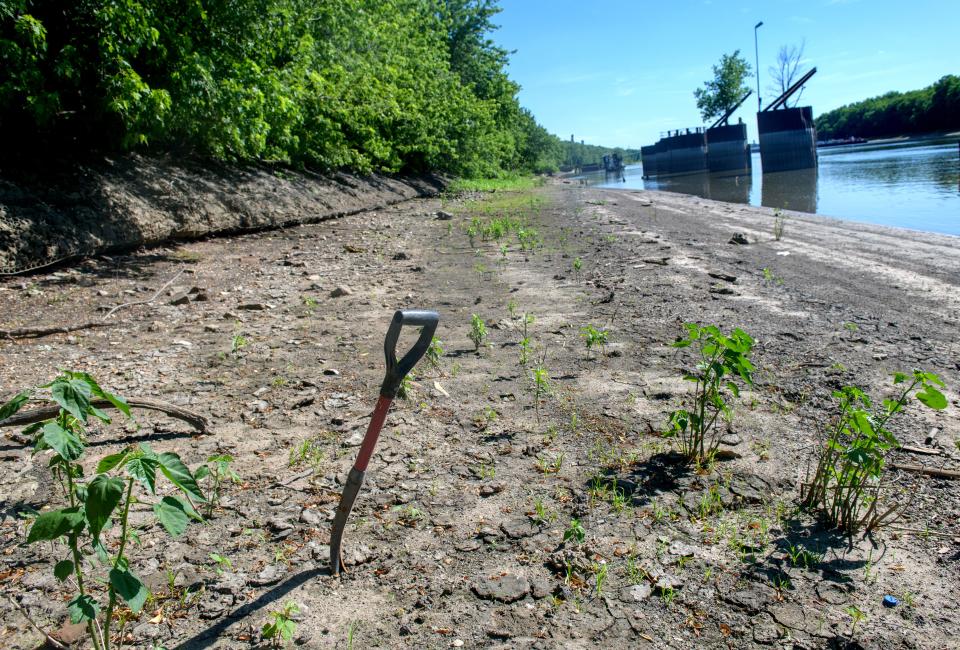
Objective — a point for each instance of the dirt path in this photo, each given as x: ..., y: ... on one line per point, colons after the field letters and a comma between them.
x: 457, y: 538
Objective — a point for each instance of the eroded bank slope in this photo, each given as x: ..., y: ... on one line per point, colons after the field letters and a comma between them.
x: 132, y: 201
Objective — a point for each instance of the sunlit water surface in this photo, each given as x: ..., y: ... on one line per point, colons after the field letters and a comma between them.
x: 911, y: 184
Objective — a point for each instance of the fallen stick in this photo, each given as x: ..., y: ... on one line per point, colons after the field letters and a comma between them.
x: 148, y: 300
x: 919, y: 450
x: 37, y: 332
x: 935, y: 472
x: 49, y: 639
x: 199, y: 422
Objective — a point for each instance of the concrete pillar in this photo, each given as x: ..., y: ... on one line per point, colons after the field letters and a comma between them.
x: 788, y: 139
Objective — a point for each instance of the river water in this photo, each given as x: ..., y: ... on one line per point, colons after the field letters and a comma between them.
x: 908, y: 183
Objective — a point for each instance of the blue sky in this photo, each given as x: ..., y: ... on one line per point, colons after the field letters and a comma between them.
x: 618, y: 72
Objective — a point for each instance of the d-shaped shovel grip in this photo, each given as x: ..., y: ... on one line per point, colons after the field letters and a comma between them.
x: 397, y: 370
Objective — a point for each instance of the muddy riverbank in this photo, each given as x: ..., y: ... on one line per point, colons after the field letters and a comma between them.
x: 458, y: 537
x: 115, y: 205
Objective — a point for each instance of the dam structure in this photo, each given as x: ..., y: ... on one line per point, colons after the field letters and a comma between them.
x: 720, y: 148
x: 788, y: 136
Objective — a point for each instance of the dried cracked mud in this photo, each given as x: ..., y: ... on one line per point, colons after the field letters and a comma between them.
x: 457, y: 539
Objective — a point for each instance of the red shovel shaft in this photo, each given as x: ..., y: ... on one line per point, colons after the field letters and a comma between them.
x: 373, y: 433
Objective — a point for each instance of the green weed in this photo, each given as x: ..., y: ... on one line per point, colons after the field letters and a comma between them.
x: 845, y: 488
x: 720, y: 359
x: 95, y: 505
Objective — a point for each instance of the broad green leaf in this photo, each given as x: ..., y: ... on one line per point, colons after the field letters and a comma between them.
x: 933, y: 379
x: 64, y: 442
x: 130, y: 588
x: 202, y: 472
x: 899, y: 377
x: 144, y: 469
x: 863, y: 424
x: 220, y: 458
x: 73, y: 395
x: 14, y: 404
x: 100, y: 415
x: 178, y: 473
x: 83, y: 608
x: 107, y: 463
x: 116, y: 400
x: 51, y: 525
x: 103, y: 495
x: 932, y: 398
x: 172, y: 516
x: 63, y: 569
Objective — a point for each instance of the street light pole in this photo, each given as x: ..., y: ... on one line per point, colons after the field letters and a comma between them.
x: 756, y: 52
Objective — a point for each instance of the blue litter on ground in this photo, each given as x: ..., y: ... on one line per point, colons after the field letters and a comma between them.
x: 890, y: 601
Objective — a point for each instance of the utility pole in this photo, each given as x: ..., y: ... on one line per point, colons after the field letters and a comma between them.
x: 756, y: 53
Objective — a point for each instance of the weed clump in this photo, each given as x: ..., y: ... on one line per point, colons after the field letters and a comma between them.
x: 846, y: 485
x: 478, y: 331
x: 721, y: 358
x: 93, y: 506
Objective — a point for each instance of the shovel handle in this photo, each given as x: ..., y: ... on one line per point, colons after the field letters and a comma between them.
x: 397, y: 370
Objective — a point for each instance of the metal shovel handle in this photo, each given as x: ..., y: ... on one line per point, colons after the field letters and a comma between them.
x: 396, y: 371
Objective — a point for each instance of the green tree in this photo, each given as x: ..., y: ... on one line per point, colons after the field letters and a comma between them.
x: 728, y: 86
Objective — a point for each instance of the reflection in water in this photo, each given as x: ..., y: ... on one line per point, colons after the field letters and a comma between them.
x: 793, y: 190
x: 731, y: 188
x: 908, y: 183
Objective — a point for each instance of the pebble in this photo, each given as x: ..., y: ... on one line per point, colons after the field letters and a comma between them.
x: 636, y: 593
x: 340, y: 291
x: 506, y: 588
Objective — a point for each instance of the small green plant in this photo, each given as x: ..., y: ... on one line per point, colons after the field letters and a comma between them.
x: 541, y: 514
x: 237, y: 343
x: 600, y: 570
x: 94, y: 505
x: 594, y: 338
x: 310, y: 304
x: 577, y: 268
x: 668, y: 595
x: 779, y: 224
x: 720, y: 359
x: 635, y: 573
x: 219, y: 473
x: 845, y: 488
x: 307, y: 452
x: 512, y: 308
x: 281, y: 628
x: 406, y: 386
x: 801, y: 556
x: 575, y: 532
x: 435, y: 352
x: 857, y: 615
x: 770, y: 278
x: 526, y: 343
x: 541, y: 386
x: 547, y: 466
x: 478, y: 331
x: 221, y: 563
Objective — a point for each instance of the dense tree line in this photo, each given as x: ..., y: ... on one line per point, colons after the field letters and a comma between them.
x: 392, y: 85
x: 930, y: 109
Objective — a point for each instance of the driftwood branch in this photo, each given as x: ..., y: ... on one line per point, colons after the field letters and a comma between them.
x: 51, y: 641
x: 148, y: 300
x: 37, y: 332
x: 935, y: 472
x: 197, y: 421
